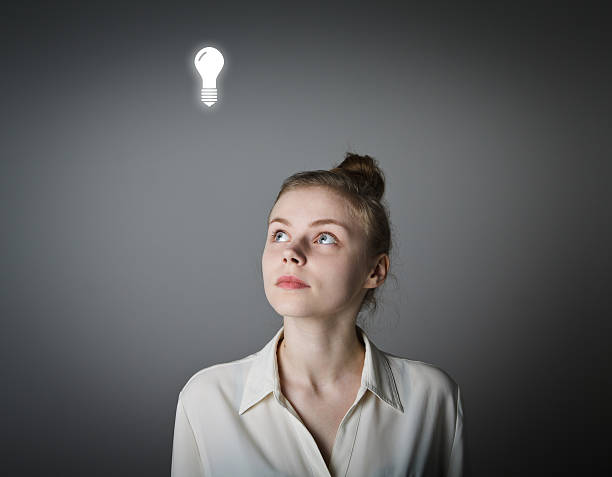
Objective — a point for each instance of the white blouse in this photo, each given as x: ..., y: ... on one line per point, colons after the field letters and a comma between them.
x: 233, y: 420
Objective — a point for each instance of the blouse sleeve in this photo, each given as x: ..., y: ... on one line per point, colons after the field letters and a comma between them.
x: 186, y: 459
x: 456, y: 460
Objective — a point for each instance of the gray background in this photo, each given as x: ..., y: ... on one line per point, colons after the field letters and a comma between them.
x: 134, y: 218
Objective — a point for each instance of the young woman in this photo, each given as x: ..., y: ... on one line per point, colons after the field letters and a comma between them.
x: 320, y: 398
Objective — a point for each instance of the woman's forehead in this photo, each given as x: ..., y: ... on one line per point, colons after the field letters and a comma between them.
x: 312, y: 204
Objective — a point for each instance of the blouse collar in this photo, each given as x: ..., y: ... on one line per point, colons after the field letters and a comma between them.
x: 262, y: 378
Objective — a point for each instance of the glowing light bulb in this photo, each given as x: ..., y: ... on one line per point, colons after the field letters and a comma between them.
x: 209, y: 61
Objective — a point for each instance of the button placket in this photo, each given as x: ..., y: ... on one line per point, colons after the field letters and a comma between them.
x: 346, y: 434
x: 312, y: 450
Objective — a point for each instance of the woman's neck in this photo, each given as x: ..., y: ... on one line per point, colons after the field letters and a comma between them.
x: 319, y: 357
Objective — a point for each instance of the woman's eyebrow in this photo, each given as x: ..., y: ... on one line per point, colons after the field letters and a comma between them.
x: 313, y: 224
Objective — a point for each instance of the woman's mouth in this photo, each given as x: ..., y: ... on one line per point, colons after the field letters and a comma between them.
x: 291, y: 285
x: 290, y: 282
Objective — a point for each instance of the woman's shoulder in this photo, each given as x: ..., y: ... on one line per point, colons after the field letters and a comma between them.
x: 421, y: 376
x: 216, y: 377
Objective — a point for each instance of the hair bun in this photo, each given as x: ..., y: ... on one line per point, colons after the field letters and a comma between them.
x: 364, y: 169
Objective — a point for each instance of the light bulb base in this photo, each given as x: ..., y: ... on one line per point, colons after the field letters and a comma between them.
x: 209, y: 96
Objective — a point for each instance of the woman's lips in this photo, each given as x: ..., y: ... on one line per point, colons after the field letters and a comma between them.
x: 292, y: 285
x: 290, y: 282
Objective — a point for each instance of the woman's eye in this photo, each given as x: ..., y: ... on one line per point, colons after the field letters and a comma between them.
x: 323, y: 234
x: 275, y: 234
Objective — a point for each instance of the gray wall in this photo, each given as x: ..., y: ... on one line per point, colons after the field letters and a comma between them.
x: 133, y: 218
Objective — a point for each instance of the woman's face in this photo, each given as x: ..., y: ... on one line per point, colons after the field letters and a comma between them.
x: 329, y: 258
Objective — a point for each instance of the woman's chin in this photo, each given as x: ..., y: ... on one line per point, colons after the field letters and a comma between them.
x: 292, y: 309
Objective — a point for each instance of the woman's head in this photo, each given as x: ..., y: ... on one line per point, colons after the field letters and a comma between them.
x: 343, y: 266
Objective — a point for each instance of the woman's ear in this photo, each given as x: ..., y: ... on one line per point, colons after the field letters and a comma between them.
x: 378, y: 274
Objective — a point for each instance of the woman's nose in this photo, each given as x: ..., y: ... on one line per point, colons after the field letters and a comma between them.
x: 292, y: 255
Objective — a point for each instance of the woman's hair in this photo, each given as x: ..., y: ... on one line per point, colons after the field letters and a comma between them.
x: 362, y: 183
